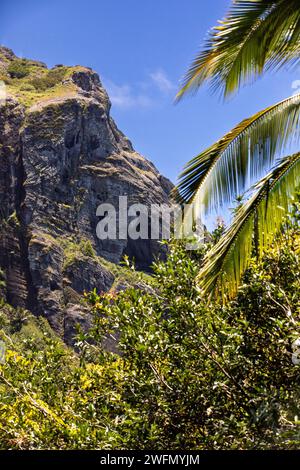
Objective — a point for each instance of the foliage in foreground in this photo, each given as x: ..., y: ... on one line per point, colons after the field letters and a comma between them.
x: 186, y: 374
x: 254, y: 37
x: 247, y: 163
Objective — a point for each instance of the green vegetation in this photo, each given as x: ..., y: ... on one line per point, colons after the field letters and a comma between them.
x: 31, y: 82
x: 256, y: 36
x: 2, y: 279
x: 50, y: 79
x: 76, y: 249
x: 19, y: 68
x: 206, y: 353
x: 124, y: 273
x: 249, y: 162
x: 188, y: 374
x: 18, y: 327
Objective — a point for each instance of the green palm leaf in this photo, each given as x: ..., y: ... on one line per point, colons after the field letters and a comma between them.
x: 258, y: 220
x: 256, y: 35
x: 228, y: 168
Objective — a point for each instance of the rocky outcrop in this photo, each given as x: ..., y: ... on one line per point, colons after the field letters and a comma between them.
x: 61, y: 155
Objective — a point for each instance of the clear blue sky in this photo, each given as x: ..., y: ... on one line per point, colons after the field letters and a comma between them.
x: 140, y: 49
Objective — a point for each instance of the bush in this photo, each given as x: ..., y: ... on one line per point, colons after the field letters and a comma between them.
x: 50, y: 79
x: 86, y: 248
x: 27, y: 87
x: 209, y: 376
x: 77, y: 249
x: 187, y: 373
x: 19, y: 68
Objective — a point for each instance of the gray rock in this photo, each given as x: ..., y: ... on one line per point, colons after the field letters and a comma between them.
x: 75, y: 316
x: 59, y: 159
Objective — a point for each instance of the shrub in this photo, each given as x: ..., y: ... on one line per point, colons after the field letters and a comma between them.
x: 86, y: 248
x: 208, y: 376
x: 77, y: 249
x: 188, y: 373
x: 49, y: 80
x: 27, y: 87
x: 19, y: 68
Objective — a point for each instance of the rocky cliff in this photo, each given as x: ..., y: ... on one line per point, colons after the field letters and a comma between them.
x: 61, y: 155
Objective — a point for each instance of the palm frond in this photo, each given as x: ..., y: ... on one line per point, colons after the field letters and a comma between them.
x: 257, y: 221
x: 255, y: 36
x: 228, y: 168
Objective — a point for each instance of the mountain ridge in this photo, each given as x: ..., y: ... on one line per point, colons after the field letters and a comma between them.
x: 61, y: 155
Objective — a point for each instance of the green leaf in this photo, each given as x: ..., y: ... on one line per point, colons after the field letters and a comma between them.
x: 230, y: 166
x: 258, y: 220
x: 255, y: 36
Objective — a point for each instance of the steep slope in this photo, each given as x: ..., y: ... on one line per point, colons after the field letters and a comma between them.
x: 61, y: 155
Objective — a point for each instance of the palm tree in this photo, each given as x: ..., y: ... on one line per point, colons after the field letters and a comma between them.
x: 259, y: 218
x: 257, y: 35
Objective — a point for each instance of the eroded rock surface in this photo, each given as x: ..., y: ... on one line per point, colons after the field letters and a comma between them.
x: 61, y: 155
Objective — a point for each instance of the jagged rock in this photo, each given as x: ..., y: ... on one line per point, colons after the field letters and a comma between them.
x: 75, y: 315
x: 6, y: 55
x: 87, y: 274
x: 61, y: 155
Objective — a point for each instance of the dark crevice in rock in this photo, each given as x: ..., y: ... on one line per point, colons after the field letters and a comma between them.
x: 23, y: 234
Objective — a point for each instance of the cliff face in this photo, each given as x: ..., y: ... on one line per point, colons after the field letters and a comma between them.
x: 61, y: 155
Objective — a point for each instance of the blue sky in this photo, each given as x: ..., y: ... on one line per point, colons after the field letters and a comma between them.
x: 141, y: 49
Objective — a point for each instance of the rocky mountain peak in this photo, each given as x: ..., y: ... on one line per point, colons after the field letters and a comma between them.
x: 61, y: 156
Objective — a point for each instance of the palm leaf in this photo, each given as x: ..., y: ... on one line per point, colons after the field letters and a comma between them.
x: 255, y: 36
x: 228, y: 168
x: 258, y: 221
